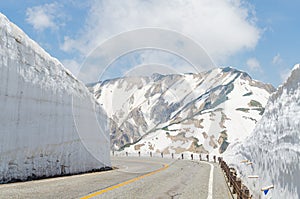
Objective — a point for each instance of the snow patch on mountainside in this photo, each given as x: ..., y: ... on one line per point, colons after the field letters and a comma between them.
x: 274, y: 145
x: 196, y: 113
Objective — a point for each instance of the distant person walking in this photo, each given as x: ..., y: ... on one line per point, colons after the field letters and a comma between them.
x: 192, y: 157
x: 139, y: 154
x: 150, y: 153
x: 182, y: 156
x: 200, y: 158
x: 162, y: 154
x: 207, y: 157
x: 172, y: 155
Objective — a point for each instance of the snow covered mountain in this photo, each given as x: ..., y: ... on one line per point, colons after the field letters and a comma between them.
x: 43, y: 109
x: 274, y: 145
x: 196, y: 113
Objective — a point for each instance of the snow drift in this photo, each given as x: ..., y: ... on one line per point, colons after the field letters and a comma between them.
x: 274, y: 145
x: 47, y: 117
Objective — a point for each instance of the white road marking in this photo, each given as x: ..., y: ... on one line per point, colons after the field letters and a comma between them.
x: 211, y: 181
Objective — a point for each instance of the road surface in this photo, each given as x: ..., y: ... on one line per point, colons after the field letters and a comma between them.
x: 136, y: 177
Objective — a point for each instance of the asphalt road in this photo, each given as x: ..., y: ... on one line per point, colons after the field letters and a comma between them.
x: 136, y: 177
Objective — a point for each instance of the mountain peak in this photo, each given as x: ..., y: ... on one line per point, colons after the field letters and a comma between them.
x: 196, y: 109
x: 156, y: 76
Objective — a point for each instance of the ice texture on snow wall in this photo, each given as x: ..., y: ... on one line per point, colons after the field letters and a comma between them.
x: 47, y: 117
x: 274, y: 145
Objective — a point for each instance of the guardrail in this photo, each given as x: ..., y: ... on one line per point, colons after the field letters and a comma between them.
x: 238, y: 188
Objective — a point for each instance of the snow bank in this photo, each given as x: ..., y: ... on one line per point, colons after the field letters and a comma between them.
x: 47, y: 117
x: 274, y: 145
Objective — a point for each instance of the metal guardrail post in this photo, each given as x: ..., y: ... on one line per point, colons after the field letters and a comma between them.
x: 246, y: 193
x: 233, y: 177
x: 238, y: 186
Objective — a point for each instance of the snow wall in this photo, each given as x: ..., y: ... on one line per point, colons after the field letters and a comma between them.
x: 274, y: 145
x: 49, y: 122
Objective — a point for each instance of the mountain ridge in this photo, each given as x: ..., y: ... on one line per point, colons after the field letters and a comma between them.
x: 139, y: 106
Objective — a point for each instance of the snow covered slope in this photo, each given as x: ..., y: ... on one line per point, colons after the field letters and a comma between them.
x: 274, y: 145
x: 196, y: 113
x: 38, y: 134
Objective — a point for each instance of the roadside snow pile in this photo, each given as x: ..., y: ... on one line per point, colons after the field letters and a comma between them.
x: 43, y: 109
x: 274, y: 145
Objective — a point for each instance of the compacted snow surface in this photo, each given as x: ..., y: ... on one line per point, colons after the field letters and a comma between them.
x: 47, y: 117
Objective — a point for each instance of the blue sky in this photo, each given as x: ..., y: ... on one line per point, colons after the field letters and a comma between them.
x: 260, y: 37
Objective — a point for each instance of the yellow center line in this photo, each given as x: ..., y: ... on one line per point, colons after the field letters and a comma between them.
x: 124, y: 183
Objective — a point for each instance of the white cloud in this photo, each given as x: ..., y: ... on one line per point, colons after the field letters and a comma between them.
x: 253, y: 65
x: 177, y: 64
x: 43, y: 17
x: 223, y: 28
x: 284, y: 71
x: 277, y: 60
x: 284, y: 74
x: 72, y: 65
